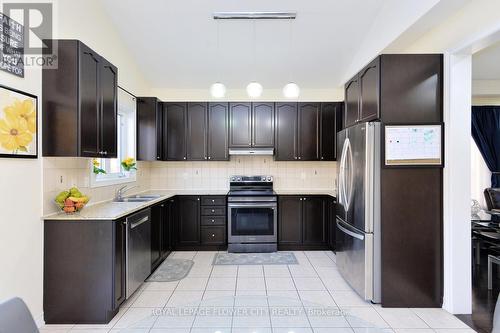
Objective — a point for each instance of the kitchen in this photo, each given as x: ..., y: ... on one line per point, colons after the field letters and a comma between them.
x: 143, y: 178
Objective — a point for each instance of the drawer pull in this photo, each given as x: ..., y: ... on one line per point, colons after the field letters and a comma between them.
x: 213, y: 210
x: 213, y: 235
x: 213, y: 200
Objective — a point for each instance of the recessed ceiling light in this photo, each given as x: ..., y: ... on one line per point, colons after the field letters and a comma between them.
x: 218, y: 90
x: 291, y: 90
x: 254, y: 89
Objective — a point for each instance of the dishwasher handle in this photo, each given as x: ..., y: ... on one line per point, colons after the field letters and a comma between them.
x: 139, y: 222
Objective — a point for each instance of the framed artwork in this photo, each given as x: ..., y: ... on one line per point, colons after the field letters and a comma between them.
x: 18, y: 124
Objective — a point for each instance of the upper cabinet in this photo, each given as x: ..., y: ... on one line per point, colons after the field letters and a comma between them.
x: 240, y: 120
x: 369, y: 80
x: 218, y: 130
x: 331, y: 123
x: 351, y: 110
x: 251, y: 125
x: 196, y: 132
x: 149, y: 129
x: 79, y: 100
x: 307, y: 131
x: 174, y: 131
x: 262, y: 125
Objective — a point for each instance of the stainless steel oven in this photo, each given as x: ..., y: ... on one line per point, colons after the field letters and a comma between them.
x: 252, y: 215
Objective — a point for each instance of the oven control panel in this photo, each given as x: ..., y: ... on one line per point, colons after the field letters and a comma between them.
x: 251, y: 179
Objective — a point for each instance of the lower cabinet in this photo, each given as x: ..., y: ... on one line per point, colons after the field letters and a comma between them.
x: 303, y: 222
x: 83, y: 271
x: 331, y: 209
x: 160, y: 232
x: 187, y: 220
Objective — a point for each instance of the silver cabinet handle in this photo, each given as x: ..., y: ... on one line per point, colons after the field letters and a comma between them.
x: 213, y: 200
x: 300, y: 157
x: 105, y: 153
x: 300, y: 199
x: 213, y: 235
x: 198, y: 199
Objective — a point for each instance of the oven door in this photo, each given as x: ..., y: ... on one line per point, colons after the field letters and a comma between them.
x: 252, y: 222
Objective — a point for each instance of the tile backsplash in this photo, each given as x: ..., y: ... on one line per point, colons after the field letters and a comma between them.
x: 60, y: 173
x: 288, y: 176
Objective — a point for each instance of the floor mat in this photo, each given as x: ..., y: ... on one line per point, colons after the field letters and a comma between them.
x: 171, y: 270
x: 275, y: 258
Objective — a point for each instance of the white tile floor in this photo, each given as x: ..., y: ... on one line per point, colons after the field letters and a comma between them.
x: 309, y: 297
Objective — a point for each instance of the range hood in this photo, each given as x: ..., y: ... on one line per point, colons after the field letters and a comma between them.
x: 251, y: 151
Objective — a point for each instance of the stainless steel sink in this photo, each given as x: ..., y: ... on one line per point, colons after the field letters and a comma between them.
x: 148, y: 196
x: 135, y: 199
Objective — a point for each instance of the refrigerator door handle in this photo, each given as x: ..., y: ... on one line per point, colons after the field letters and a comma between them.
x: 349, y: 232
x: 348, y: 190
x: 342, y: 176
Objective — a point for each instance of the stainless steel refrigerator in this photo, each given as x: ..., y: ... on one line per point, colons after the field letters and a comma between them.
x: 358, y: 210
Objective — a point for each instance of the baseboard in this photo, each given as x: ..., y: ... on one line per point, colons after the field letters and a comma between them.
x: 39, y: 320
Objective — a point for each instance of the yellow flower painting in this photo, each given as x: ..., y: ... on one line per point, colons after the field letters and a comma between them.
x: 18, y: 124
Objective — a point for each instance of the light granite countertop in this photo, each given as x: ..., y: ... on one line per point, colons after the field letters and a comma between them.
x: 109, y: 210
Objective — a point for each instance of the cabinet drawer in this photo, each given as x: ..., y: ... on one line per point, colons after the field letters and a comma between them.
x: 213, y: 235
x: 213, y: 220
x: 213, y: 211
x: 213, y: 201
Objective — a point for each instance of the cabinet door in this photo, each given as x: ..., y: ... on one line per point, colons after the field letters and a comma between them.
x: 290, y: 220
x: 156, y: 234
x: 188, y: 220
x: 90, y: 102
x: 331, y: 210
x: 218, y: 125
x: 351, y: 109
x: 119, y: 279
x: 329, y: 125
x: 240, y: 133
x: 166, y: 228
x: 369, y: 82
x: 148, y: 126
x: 109, y: 108
x: 175, y: 135
x: 286, y: 132
x: 262, y: 125
x: 196, y: 143
x: 314, y: 220
x: 309, y: 131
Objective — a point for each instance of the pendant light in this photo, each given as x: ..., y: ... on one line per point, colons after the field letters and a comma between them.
x: 291, y: 89
x: 218, y: 89
x: 254, y: 88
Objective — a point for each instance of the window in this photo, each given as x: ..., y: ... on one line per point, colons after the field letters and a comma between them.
x: 125, y: 148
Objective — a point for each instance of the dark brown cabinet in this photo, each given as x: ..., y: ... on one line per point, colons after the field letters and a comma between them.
x: 251, y: 125
x: 213, y: 220
x: 262, y: 125
x: 290, y: 220
x: 369, y: 82
x: 120, y: 263
x: 314, y: 220
x: 174, y: 131
x: 196, y: 134
x: 331, y: 123
x: 217, y: 134
x: 308, y: 135
x: 303, y: 221
x: 187, y: 220
x: 240, y: 129
x: 79, y: 100
x: 286, y: 132
x: 351, y: 109
x: 160, y: 232
x: 149, y: 129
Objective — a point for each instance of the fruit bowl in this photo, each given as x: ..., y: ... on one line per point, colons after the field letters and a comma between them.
x: 71, y: 201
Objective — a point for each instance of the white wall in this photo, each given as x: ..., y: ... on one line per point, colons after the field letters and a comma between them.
x: 321, y: 95
x: 21, y: 239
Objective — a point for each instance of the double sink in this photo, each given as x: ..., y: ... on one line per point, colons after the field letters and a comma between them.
x: 138, y: 198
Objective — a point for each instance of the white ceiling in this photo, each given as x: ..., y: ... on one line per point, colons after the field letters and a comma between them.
x: 486, y: 63
x: 174, y: 41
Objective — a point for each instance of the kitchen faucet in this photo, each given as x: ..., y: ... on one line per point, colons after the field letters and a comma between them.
x: 119, y: 193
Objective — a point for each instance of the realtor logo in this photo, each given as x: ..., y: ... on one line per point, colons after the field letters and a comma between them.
x: 37, y: 21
